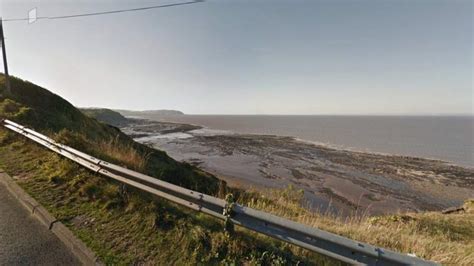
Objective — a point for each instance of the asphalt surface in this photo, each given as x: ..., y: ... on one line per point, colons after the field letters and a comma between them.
x: 24, y: 240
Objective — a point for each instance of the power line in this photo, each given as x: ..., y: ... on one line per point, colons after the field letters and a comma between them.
x: 105, y: 12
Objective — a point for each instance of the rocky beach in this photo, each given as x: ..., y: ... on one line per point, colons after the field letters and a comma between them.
x: 336, y: 180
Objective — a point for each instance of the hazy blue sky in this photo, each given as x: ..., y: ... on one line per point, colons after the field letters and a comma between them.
x: 251, y: 57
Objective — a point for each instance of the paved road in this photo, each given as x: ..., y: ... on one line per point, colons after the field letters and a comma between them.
x: 24, y: 241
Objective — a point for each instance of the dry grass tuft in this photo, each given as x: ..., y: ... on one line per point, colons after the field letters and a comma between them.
x: 124, y: 153
x: 444, y: 238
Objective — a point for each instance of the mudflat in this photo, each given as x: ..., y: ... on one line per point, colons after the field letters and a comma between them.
x: 337, y: 180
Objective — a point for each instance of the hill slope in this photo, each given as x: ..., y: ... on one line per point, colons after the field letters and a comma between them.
x: 48, y: 113
x: 106, y: 116
x: 121, y: 224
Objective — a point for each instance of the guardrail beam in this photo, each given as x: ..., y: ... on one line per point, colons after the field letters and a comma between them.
x: 319, y: 241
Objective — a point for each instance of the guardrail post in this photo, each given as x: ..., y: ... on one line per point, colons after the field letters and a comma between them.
x: 228, y: 212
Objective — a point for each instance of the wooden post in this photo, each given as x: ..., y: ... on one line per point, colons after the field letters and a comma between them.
x: 5, y: 65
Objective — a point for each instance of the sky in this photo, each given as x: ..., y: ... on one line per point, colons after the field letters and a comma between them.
x: 250, y: 57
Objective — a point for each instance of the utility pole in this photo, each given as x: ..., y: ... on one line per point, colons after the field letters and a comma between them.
x: 5, y: 66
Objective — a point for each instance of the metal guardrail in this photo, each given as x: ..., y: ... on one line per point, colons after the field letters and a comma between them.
x: 322, y: 242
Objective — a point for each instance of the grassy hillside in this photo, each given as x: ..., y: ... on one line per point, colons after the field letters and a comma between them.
x: 121, y: 226
x: 106, y: 116
x: 50, y: 114
x: 130, y: 227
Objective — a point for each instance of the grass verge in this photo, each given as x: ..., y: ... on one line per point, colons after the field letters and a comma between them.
x: 130, y: 227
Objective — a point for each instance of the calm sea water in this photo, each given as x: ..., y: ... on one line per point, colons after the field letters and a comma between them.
x: 446, y: 138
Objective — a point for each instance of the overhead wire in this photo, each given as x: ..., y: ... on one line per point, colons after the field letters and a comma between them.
x: 104, y: 12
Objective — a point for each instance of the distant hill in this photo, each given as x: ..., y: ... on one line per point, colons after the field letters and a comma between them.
x: 106, y: 116
x: 150, y: 113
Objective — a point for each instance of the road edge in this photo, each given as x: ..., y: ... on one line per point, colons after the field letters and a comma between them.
x: 75, y: 245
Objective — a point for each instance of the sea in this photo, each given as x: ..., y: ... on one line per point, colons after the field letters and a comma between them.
x: 447, y: 138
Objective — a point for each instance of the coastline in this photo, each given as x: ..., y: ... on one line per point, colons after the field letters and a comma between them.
x: 439, y: 137
x: 334, y: 179
x: 368, y: 151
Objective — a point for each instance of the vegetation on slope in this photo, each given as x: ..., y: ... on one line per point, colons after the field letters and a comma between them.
x: 444, y: 238
x: 106, y: 116
x: 126, y: 226
x: 131, y: 227
x: 50, y: 114
x: 123, y: 226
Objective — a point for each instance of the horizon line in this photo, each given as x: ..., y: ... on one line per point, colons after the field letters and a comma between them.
x: 283, y: 114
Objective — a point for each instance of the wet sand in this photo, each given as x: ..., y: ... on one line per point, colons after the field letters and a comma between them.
x: 335, y: 179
